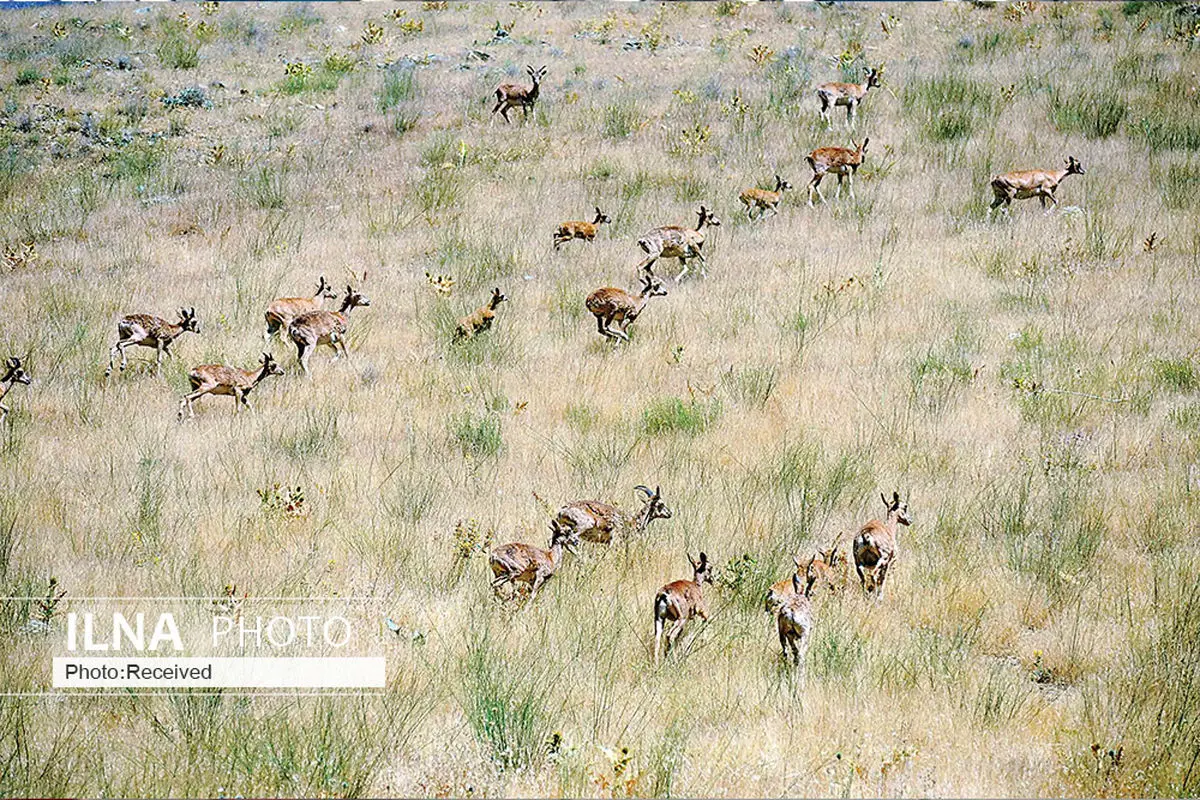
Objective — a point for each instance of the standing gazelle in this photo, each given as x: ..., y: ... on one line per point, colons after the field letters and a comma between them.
x: 324, y: 327
x: 840, y: 161
x: 794, y: 621
x: 676, y: 241
x: 610, y: 305
x: 283, y: 310
x: 844, y: 94
x: 13, y: 374
x: 148, y: 330
x: 1039, y: 183
x: 514, y: 95
x: 764, y: 200
x: 578, y: 229
x: 228, y: 381
x: 678, y: 602
x: 876, y: 545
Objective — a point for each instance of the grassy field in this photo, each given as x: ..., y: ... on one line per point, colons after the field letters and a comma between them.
x: 1031, y: 384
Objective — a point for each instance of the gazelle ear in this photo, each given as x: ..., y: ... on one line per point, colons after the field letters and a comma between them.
x: 658, y: 491
x: 703, y: 558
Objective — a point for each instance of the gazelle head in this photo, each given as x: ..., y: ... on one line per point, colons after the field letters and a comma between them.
x: 897, y: 509
x: 861, y: 148
x: 567, y: 538
x: 601, y: 217
x: 652, y: 285
x: 353, y: 299
x: 498, y: 297
x: 701, y: 570
x: 188, y: 321
x: 781, y: 185
x: 810, y: 576
x: 707, y: 218
x: 873, y: 78
x: 325, y: 291
x: 655, y: 508
x: 536, y: 74
x: 1074, y: 167
x: 270, y: 366
x: 13, y: 372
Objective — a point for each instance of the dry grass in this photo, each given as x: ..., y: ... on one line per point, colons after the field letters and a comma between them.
x: 1045, y: 600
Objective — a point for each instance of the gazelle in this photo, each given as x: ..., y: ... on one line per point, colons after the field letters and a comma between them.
x: 611, y: 305
x: 13, y: 374
x: 1039, y: 183
x: 228, y: 381
x: 840, y: 161
x: 324, y: 327
x: 514, y: 95
x: 828, y: 570
x: 678, y: 602
x: 794, y: 621
x: 876, y: 545
x: 676, y: 241
x: 594, y: 521
x: 524, y: 563
x: 844, y: 94
x: 763, y: 200
x: 283, y: 310
x: 147, y: 330
x: 481, y: 318
x: 577, y: 229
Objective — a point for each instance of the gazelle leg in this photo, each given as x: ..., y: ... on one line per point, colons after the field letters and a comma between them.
x: 658, y: 632
x: 838, y: 196
x: 304, y: 352
x: 673, y: 634
x: 158, y: 356
x: 112, y: 356
x: 3, y: 412
x: 850, y: 177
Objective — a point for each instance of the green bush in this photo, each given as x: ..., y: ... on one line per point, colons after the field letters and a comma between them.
x: 1097, y: 114
x: 1176, y: 374
x: 27, y: 76
x: 672, y: 415
x: 477, y: 435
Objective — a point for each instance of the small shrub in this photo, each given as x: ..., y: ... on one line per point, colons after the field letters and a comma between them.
x: 178, y: 51
x: 265, y: 188
x: 672, y: 415
x: 27, y: 76
x: 477, y: 435
x: 620, y: 119
x: 1175, y: 374
x: 399, y: 85
x: 949, y: 106
x: 1180, y: 185
x: 192, y: 97
x: 1097, y: 114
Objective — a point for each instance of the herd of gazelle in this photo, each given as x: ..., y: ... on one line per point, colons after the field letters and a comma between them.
x: 790, y: 600
x: 308, y: 325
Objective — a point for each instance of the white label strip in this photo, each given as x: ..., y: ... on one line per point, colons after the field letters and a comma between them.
x: 220, y: 673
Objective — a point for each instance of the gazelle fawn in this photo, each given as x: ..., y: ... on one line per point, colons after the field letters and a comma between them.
x: 314, y: 328
x: 839, y: 161
x: 764, y: 200
x: 514, y: 95
x: 14, y: 373
x: 1039, y: 183
x: 612, y: 306
x: 147, y: 330
x: 283, y: 310
x: 578, y: 229
x: 876, y: 545
x: 524, y: 563
x: 229, y: 381
x: 481, y: 318
x: 827, y: 570
x: 594, y: 521
x: 676, y: 241
x: 830, y: 95
x: 678, y: 602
